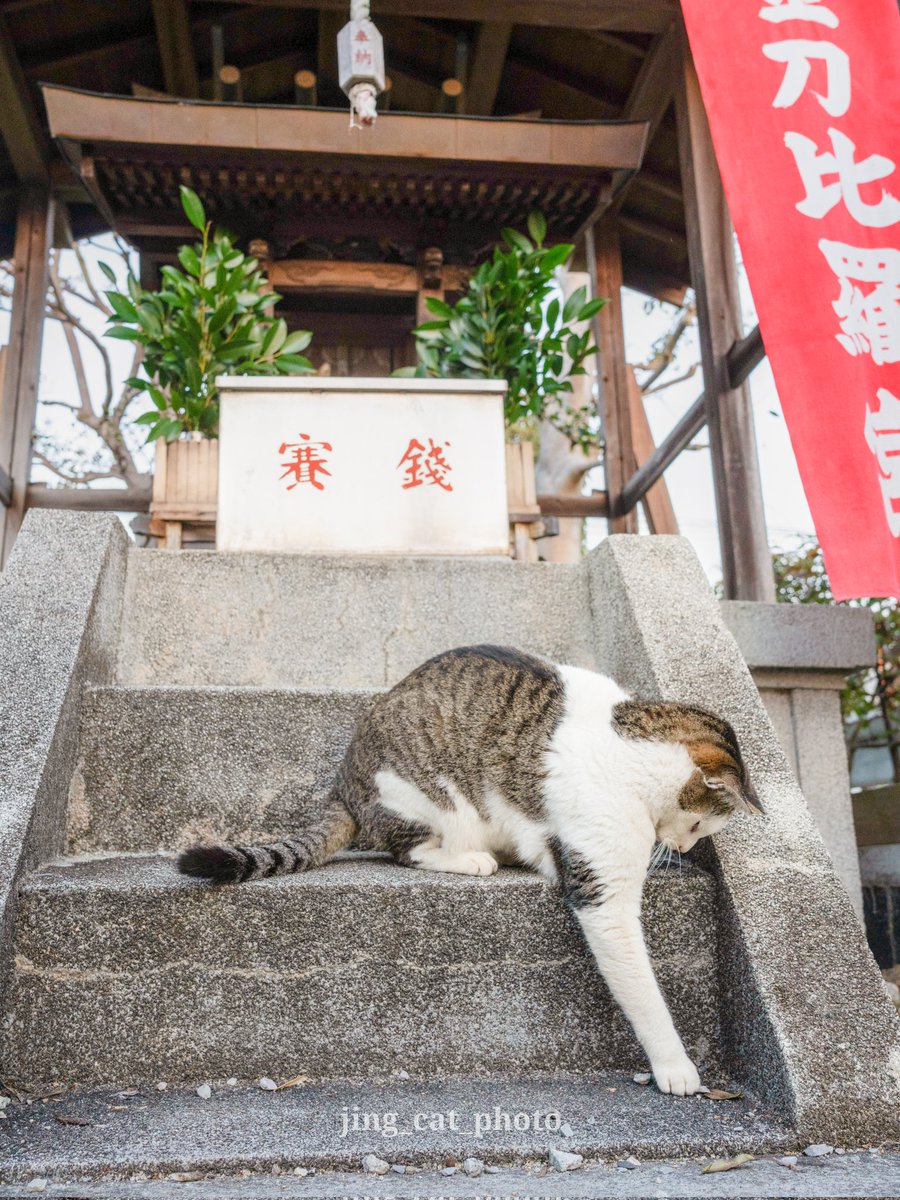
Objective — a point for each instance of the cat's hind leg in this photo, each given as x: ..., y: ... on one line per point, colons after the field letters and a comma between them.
x: 430, y: 855
x: 439, y: 832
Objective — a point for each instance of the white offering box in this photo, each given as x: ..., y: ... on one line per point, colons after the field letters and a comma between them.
x: 321, y: 465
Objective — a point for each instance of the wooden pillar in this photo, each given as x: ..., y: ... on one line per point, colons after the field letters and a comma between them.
x: 18, y: 401
x: 746, y: 560
x: 619, y: 452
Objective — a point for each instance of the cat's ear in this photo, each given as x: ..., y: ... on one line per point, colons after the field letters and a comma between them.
x: 741, y: 793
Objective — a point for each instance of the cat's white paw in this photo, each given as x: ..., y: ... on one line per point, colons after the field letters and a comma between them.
x: 477, y: 862
x: 678, y: 1076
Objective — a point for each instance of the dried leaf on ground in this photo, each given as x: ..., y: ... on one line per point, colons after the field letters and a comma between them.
x: 66, y: 1120
x: 296, y: 1081
x: 720, y: 1094
x: 726, y: 1164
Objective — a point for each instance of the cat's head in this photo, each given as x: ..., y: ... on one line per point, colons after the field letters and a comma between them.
x: 717, y: 785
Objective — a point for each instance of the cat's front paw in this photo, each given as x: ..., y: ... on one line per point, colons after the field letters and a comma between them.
x: 677, y: 1076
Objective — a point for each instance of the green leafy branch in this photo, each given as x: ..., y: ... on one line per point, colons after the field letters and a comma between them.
x: 213, y: 316
x: 506, y: 326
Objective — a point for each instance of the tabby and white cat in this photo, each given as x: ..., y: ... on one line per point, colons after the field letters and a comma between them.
x: 485, y: 755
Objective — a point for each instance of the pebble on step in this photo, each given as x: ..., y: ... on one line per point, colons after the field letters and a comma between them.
x: 562, y: 1160
x: 373, y: 1165
x: 819, y: 1150
x: 473, y: 1167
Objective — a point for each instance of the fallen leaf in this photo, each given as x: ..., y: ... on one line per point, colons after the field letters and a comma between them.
x: 726, y: 1164
x: 295, y: 1082
x: 719, y: 1094
x: 64, y: 1120
x: 185, y: 1176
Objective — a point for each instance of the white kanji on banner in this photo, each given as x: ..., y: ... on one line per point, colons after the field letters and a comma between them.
x: 798, y: 10
x: 869, y: 301
x: 797, y: 55
x: 883, y: 439
x: 821, y: 197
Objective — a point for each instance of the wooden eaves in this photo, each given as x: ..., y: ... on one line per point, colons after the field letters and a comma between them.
x: 286, y: 173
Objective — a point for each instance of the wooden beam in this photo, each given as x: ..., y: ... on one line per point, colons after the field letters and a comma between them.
x: 678, y: 439
x: 336, y: 275
x: 486, y: 71
x: 656, y: 502
x: 619, y: 453
x: 176, y: 48
x: 92, y: 499
x: 745, y: 356
x: 594, y: 505
x: 650, y: 96
x: 625, y: 16
x: 20, y: 126
x: 21, y: 367
x: 746, y: 560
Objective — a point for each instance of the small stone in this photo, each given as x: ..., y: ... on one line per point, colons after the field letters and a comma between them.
x: 185, y: 1176
x: 492, y: 1170
x: 36, y: 1185
x: 245, y: 1173
x: 267, y: 1084
x: 204, y: 1091
x: 301, y: 1171
x: 788, y: 1160
x: 566, y: 1129
x: 473, y: 1167
x: 642, y: 1078
x: 276, y: 1170
x: 449, y: 1170
x: 401, y: 1074
x: 819, y: 1150
x: 161, y: 1087
x: 398, y: 1169
x: 232, y: 1082
x: 5, y: 1101
x: 629, y: 1164
x: 373, y: 1165
x: 561, y: 1160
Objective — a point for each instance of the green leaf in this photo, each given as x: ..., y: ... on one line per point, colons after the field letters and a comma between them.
x: 296, y: 341
x: 518, y: 241
x: 537, y: 227
x: 107, y: 270
x: 574, y: 304
x: 122, y: 307
x: 588, y: 310
x: 555, y: 257
x: 193, y: 209
x: 187, y: 256
x: 123, y: 333
x: 147, y: 418
x: 439, y: 307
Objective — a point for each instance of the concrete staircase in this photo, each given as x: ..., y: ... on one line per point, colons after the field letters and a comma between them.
x: 204, y: 696
x: 353, y: 971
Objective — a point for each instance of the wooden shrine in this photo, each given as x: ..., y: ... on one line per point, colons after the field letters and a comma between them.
x: 589, y: 110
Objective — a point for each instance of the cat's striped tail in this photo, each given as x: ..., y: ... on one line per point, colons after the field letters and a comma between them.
x: 332, y: 831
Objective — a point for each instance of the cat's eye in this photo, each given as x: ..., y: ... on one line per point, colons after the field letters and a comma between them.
x: 695, y: 827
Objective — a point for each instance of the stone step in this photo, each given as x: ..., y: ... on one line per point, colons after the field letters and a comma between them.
x: 299, y: 621
x: 127, y: 972
x: 160, y: 768
x: 502, y: 1122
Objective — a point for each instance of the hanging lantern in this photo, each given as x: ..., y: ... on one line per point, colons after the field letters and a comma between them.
x: 361, y: 64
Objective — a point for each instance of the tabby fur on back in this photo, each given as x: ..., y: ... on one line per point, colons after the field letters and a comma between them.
x: 486, y: 755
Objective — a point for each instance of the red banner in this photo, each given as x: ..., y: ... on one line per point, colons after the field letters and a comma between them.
x: 803, y: 98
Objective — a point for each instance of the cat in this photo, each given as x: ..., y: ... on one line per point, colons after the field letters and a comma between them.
x: 486, y: 755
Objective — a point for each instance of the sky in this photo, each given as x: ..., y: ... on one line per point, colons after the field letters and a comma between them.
x: 689, y: 478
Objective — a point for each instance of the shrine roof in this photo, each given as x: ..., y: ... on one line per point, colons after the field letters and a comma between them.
x: 289, y: 174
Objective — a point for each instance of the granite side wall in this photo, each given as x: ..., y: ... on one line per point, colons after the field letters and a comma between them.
x: 60, y: 610
x: 807, y: 1019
